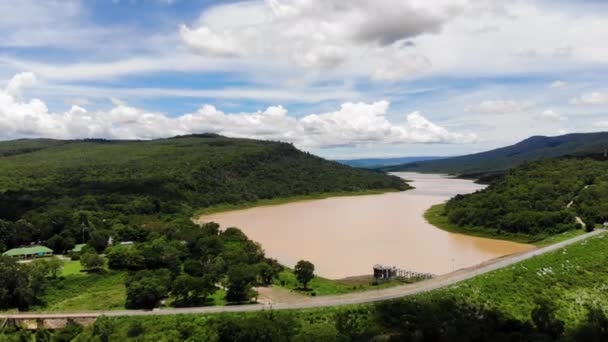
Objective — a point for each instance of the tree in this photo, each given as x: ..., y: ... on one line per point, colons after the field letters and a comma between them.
x: 589, y: 226
x: 92, y: 262
x: 21, y: 285
x: 543, y: 316
x: 49, y: 267
x: 265, y: 326
x: 68, y: 333
x: 240, y: 280
x: 99, y: 240
x: 595, y: 327
x: 304, y: 272
x: 125, y: 258
x: 103, y: 327
x: 266, y: 273
x: 60, y: 244
x: 191, y: 290
x: 146, y: 288
x: 193, y: 267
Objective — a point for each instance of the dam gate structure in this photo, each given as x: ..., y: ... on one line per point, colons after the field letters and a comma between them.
x: 386, y: 273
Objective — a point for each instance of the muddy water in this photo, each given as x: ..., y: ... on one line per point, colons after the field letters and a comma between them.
x: 346, y: 236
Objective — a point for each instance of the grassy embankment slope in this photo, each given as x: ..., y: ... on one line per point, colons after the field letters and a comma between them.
x: 571, y: 279
x: 536, y: 203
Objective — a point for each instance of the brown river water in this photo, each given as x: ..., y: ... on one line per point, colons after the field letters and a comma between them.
x: 346, y: 236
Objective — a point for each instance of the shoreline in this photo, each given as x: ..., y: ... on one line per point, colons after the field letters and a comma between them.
x: 434, y: 216
x: 220, y: 208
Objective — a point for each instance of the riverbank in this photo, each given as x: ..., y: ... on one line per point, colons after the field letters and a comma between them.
x: 285, y: 200
x: 435, y: 216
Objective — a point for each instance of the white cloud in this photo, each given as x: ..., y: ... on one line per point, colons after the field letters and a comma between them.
x: 357, y: 36
x: 353, y: 124
x: 558, y: 84
x: 550, y: 114
x: 18, y: 82
x: 382, y: 40
x: 500, y: 107
x: 320, y: 35
x: 205, y: 41
x: 594, y: 98
x: 601, y: 124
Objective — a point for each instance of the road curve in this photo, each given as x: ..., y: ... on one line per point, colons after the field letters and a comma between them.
x: 325, y: 301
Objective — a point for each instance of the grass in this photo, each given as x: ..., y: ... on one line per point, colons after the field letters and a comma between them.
x: 571, y: 277
x: 322, y: 286
x: 75, y: 291
x: 70, y: 268
x: 435, y: 216
x: 284, y: 200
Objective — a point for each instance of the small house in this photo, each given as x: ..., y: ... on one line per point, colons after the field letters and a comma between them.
x: 29, y: 252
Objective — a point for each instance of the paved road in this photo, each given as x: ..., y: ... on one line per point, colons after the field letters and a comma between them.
x: 334, y: 300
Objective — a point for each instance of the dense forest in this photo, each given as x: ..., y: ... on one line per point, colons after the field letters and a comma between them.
x: 61, y: 193
x: 499, y: 160
x: 66, y: 192
x: 535, y: 198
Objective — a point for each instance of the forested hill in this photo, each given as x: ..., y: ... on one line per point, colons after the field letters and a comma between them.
x: 45, y: 184
x: 537, y: 199
x: 507, y: 157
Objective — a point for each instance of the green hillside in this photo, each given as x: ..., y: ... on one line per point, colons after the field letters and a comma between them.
x: 73, y: 188
x: 536, y: 200
x: 497, y: 161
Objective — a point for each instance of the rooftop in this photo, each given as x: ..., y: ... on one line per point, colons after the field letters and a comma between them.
x: 28, y: 251
x: 78, y: 247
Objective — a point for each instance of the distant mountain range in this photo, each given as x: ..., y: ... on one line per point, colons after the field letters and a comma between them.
x: 371, y: 163
x: 501, y: 159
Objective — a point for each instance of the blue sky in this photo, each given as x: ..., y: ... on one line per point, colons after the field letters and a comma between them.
x: 342, y: 80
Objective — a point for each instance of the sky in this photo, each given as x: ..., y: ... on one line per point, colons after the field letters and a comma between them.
x: 340, y: 79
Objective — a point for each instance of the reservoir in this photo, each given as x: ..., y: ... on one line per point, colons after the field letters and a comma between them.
x: 346, y: 236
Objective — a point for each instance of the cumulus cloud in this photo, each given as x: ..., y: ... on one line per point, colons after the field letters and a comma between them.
x: 594, y: 98
x: 319, y: 34
x: 500, y: 107
x: 18, y: 82
x: 558, y: 84
x: 352, y: 124
x: 550, y: 114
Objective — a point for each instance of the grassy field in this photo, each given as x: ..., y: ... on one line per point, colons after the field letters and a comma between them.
x: 76, y: 290
x: 284, y: 200
x: 319, y: 286
x: 435, y: 216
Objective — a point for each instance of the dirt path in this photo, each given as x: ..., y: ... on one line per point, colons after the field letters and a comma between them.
x: 273, y: 295
x: 292, y: 302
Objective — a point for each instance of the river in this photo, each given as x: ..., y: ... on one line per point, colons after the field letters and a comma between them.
x: 346, y: 236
